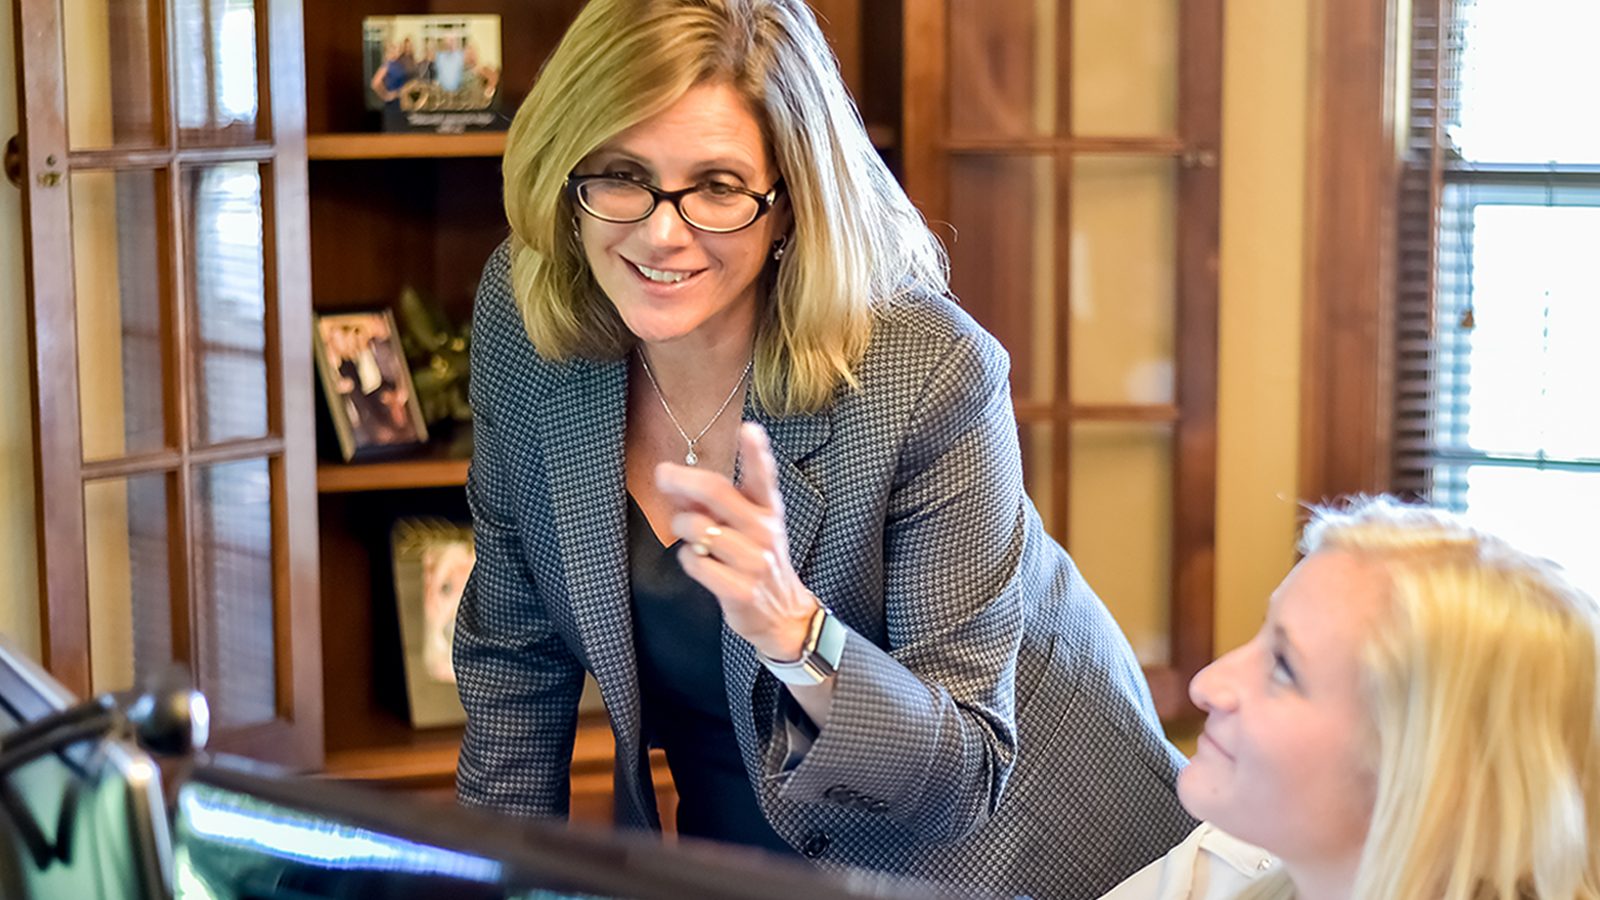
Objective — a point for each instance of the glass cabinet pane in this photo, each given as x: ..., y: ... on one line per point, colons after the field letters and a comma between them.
x: 1039, y: 471
x: 1003, y: 68
x: 128, y: 542
x: 214, y: 67
x: 233, y: 566
x: 1124, y: 279
x: 1125, y: 68
x: 1003, y: 259
x: 112, y: 93
x: 223, y: 226
x: 1121, y: 526
x: 121, y: 318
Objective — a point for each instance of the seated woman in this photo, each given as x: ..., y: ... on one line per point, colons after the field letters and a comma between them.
x: 1418, y: 718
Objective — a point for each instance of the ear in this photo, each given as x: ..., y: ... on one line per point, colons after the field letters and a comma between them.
x: 782, y: 217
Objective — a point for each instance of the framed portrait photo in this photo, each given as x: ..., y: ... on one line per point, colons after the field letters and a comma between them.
x: 367, y: 384
x: 432, y: 559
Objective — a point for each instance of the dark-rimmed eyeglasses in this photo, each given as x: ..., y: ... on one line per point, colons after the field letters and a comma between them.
x: 713, y: 207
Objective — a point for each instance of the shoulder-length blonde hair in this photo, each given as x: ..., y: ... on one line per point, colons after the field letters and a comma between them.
x: 1481, y: 673
x: 857, y: 241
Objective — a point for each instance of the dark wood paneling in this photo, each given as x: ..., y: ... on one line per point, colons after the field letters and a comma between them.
x: 1199, y: 240
x: 298, y: 646
x: 1346, y: 368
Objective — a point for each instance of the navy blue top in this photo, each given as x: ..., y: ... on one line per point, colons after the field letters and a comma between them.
x: 677, y: 628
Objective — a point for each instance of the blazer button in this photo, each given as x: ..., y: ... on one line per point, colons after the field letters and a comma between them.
x: 840, y: 794
x: 878, y: 806
x: 816, y: 845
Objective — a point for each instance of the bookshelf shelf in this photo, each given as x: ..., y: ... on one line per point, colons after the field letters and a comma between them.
x: 405, y: 146
x: 343, y: 478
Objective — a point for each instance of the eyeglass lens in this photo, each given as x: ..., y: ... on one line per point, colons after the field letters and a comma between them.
x: 709, y: 207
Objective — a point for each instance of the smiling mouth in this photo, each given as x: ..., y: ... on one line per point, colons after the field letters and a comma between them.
x: 662, y: 276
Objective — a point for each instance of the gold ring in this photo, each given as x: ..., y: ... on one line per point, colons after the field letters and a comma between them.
x: 702, y: 547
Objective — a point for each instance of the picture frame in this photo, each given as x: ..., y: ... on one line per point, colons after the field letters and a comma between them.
x: 438, y: 73
x: 367, y: 384
x: 432, y: 560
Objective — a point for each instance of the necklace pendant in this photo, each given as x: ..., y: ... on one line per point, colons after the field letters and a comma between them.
x: 690, y: 458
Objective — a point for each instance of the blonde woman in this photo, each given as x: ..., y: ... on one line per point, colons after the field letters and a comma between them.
x: 843, y: 620
x: 1418, y: 719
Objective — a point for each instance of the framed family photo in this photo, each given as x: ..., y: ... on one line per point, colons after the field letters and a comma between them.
x: 433, y: 72
x: 367, y: 384
x: 432, y: 559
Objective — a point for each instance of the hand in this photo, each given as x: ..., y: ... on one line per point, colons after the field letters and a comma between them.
x: 735, y: 544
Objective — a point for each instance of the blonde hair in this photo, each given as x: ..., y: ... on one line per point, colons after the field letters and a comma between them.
x: 857, y: 241
x: 1481, y: 674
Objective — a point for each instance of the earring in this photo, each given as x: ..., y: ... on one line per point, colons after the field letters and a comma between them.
x: 577, y: 230
x: 779, y: 247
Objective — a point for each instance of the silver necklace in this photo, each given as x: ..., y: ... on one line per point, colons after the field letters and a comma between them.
x: 691, y: 458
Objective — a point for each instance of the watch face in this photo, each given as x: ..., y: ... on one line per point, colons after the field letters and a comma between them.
x: 819, y: 658
x: 829, y: 646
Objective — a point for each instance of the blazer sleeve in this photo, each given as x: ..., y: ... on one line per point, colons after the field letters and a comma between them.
x: 925, y: 731
x: 518, y: 680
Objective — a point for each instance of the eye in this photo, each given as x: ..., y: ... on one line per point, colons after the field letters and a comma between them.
x: 624, y: 174
x: 1282, y: 672
x: 719, y: 189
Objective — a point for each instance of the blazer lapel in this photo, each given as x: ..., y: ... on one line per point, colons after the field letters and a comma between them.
x: 582, y: 423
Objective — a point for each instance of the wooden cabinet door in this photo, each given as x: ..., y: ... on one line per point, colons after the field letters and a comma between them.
x: 164, y: 199
x: 1067, y: 153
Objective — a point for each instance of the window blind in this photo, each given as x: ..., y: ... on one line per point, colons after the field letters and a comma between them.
x: 1497, y: 331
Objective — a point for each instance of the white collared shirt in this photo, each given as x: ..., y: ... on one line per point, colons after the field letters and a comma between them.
x: 1210, y: 864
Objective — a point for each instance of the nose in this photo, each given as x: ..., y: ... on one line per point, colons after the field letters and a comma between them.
x: 665, y: 226
x: 1212, y: 688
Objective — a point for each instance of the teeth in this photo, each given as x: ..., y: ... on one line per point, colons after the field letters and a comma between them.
x: 659, y: 276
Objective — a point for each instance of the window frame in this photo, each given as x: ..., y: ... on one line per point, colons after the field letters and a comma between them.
x: 1377, y: 173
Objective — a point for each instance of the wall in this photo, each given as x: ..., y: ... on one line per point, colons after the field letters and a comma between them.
x: 1264, y: 134
x: 19, y: 583
x: 1265, y: 68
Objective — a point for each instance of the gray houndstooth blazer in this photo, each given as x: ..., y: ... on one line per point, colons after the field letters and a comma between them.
x: 990, y: 727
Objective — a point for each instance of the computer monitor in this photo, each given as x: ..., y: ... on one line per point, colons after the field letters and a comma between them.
x: 113, y: 841
x: 241, y: 832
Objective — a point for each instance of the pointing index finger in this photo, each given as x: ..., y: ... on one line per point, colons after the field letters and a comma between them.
x: 760, y: 483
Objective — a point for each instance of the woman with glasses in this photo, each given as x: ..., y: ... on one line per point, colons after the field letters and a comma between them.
x: 741, y: 456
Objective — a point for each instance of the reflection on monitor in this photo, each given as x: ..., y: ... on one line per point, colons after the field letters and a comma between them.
x: 244, y: 832
x: 233, y: 846
x: 115, y: 843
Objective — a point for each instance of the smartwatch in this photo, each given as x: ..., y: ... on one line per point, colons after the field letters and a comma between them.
x: 819, y: 656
